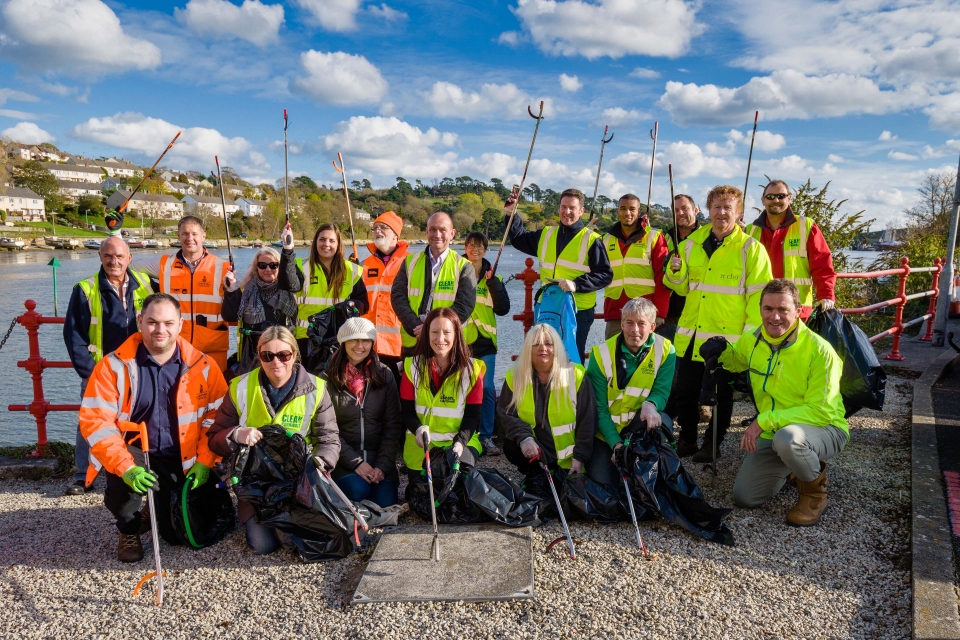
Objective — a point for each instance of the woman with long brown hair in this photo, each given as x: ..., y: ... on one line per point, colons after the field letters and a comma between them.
x: 331, y: 281
x: 441, y: 392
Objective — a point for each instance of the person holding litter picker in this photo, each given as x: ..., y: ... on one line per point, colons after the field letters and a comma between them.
x: 441, y: 393
x: 158, y: 378
x: 795, y: 376
x: 545, y: 407
x: 631, y: 374
x: 720, y: 270
x: 278, y: 392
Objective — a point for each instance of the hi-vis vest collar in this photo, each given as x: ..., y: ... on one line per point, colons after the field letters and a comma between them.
x: 138, y: 284
x: 632, y: 270
x: 624, y: 403
x: 207, y: 304
x: 295, y: 415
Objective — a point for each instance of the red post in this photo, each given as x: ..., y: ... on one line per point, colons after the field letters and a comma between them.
x: 528, y: 276
x: 898, y: 315
x: 932, y: 309
x: 34, y: 364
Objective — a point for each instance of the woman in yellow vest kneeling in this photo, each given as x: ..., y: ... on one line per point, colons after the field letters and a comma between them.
x: 279, y: 392
x: 441, y: 392
x: 547, y: 407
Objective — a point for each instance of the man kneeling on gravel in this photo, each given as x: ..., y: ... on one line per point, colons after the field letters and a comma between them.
x: 795, y: 376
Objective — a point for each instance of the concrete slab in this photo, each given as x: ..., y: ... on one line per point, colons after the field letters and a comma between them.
x: 477, y: 563
x: 27, y: 468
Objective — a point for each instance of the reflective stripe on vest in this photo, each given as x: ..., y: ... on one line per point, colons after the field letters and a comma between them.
x: 570, y: 264
x: 444, y: 286
x: 561, y: 411
x: 91, y: 289
x: 632, y: 273
x: 483, y: 321
x: 796, y: 264
x: 441, y: 412
x: 316, y: 295
x: 295, y: 416
x: 625, y: 403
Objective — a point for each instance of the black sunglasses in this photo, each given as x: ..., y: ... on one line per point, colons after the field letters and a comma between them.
x: 273, y: 266
x: 283, y: 356
x: 777, y: 196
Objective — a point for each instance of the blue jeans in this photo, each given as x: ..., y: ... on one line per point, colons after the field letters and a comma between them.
x: 584, y: 322
x: 383, y: 493
x: 489, y: 397
x: 261, y: 539
x: 81, y: 456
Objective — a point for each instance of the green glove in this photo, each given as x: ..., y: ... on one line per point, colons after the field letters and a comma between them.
x: 140, y: 480
x: 200, y: 474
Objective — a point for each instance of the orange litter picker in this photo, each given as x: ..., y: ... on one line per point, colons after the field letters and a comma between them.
x: 158, y: 571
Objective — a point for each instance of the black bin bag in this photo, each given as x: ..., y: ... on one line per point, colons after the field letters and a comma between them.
x: 863, y: 382
x: 453, y: 505
x: 501, y: 499
x: 288, y: 493
x: 203, y: 516
x: 591, y: 500
x: 659, y: 483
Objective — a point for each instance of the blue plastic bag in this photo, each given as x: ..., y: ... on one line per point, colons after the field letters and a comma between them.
x: 556, y: 307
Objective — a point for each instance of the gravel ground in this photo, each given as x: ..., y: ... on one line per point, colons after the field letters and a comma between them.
x: 848, y: 577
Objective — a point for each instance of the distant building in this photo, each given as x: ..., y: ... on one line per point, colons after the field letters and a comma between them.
x: 360, y: 214
x: 119, y: 168
x: 148, y: 205
x: 71, y: 190
x: 22, y: 203
x: 33, y: 152
x: 192, y: 203
x: 73, y: 172
x: 251, y: 207
x: 233, y: 190
x: 183, y: 188
x: 111, y: 184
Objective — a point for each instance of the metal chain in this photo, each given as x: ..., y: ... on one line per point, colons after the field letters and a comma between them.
x: 13, y: 323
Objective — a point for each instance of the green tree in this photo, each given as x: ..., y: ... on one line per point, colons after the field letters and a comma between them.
x: 305, y: 182
x: 470, y: 204
x: 491, y: 200
x: 31, y: 175
x: 500, y: 189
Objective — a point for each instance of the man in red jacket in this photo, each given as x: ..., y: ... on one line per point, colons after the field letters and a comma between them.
x: 797, y: 249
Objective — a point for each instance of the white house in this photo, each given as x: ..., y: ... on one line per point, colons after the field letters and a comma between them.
x: 148, y: 205
x: 33, y: 152
x: 111, y: 184
x: 71, y: 190
x: 74, y: 172
x: 233, y: 190
x: 183, y: 188
x: 360, y: 214
x: 251, y: 207
x: 22, y: 203
x: 192, y: 202
x: 118, y: 168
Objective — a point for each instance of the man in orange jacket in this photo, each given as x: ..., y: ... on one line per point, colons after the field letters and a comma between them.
x: 387, y: 254
x: 158, y: 378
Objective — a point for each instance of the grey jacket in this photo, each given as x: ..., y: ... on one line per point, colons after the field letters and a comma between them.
x: 462, y: 305
x: 371, y: 432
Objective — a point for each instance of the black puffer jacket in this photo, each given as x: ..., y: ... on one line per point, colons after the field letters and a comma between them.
x: 371, y: 433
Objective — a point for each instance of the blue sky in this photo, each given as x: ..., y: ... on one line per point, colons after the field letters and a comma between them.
x: 862, y: 93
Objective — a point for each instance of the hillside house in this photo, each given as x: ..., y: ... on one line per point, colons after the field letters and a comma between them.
x: 148, y: 205
x: 22, y: 204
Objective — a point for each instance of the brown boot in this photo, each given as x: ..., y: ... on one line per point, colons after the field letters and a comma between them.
x: 129, y: 548
x: 812, y: 501
x: 705, y: 454
x: 144, y: 520
x: 685, y: 449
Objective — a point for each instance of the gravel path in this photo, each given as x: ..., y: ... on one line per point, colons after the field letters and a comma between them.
x: 848, y: 577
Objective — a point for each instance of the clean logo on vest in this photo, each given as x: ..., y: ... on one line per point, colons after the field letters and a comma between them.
x: 291, y: 422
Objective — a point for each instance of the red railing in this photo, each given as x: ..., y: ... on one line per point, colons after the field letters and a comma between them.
x: 35, y: 364
x: 900, y: 301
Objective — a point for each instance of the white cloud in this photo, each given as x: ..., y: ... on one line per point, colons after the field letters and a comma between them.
x: 333, y: 15
x: 73, y: 36
x: 570, y: 83
x: 612, y: 28
x: 886, y: 136
x: 27, y: 133
x: 491, y: 165
x: 688, y: 160
x: 510, y: 38
x: 340, y: 78
x: 493, y: 100
x: 386, y: 13
x: 944, y: 111
x: 618, y: 117
x: 835, y: 158
x: 899, y: 155
x: 949, y: 148
x: 194, y: 149
x: 784, y: 94
x: 644, y: 74
x: 253, y: 21
x: 392, y: 147
x: 764, y: 141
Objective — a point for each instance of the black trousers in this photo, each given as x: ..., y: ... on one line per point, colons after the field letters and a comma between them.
x: 685, y: 401
x: 124, y: 503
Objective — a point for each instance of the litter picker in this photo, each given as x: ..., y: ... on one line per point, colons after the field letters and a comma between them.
x: 357, y: 518
x: 556, y: 500
x: 673, y: 208
x: 746, y: 183
x: 653, y: 157
x: 223, y: 204
x: 519, y: 189
x: 115, y: 221
x: 433, y: 506
x: 603, y: 142
x: 633, y: 513
x: 155, y: 536
x: 286, y: 171
x: 346, y: 194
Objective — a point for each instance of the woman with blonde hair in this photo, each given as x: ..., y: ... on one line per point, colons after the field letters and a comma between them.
x: 267, y: 299
x: 278, y: 392
x: 545, y: 408
x: 331, y: 281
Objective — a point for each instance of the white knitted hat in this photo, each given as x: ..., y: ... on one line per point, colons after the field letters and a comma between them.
x: 357, y: 329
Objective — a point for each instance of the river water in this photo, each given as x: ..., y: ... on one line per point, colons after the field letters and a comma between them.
x: 25, y: 275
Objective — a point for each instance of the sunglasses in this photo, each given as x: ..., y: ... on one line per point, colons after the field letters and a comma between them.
x: 283, y: 356
x: 777, y: 196
x: 273, y: 266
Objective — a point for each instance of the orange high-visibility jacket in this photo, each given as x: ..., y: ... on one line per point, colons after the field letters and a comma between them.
x: 111, y: 395
x: 378, y: 278
x: 200, y: 293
